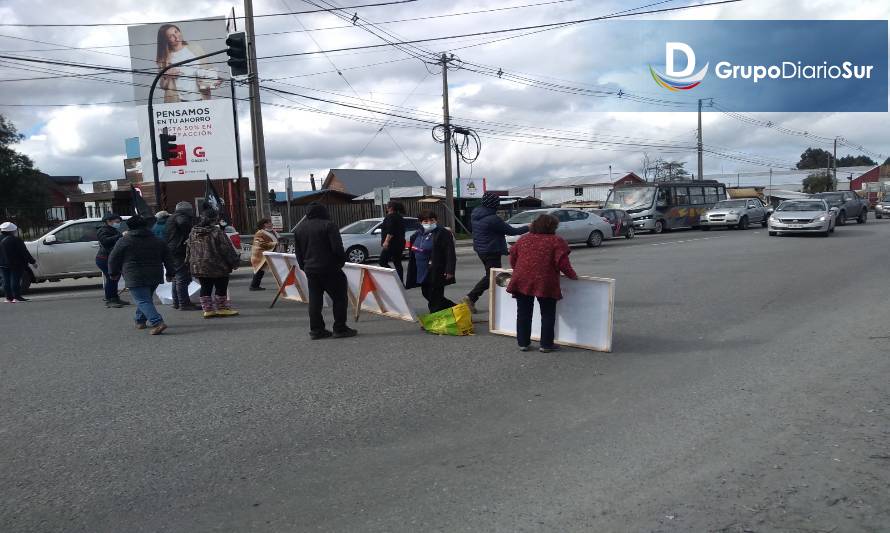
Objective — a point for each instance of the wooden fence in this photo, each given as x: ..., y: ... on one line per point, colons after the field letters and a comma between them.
x: 344, y: 214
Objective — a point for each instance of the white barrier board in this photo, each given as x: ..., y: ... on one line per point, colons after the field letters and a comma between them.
x: 385, y: 294
x: 583, y: 316
x: 164, y: 292
x: 280, y: 266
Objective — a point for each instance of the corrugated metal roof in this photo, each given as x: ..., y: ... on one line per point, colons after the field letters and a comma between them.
x: 358, y: 181
x: 403, y: 192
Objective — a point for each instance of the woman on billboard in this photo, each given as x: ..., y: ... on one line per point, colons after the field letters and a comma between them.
x: 188, y: 82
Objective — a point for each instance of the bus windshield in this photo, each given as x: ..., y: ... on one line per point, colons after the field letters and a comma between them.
x: 630, y: 198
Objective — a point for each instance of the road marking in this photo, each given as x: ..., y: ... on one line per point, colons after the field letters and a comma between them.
x: 684, y: 240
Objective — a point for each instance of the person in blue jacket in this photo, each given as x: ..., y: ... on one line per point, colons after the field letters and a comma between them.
x: 489, y: 242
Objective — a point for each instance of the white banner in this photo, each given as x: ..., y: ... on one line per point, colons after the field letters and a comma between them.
x: 205, y: 137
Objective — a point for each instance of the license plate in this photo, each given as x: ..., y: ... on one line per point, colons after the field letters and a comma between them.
x: 795, y: 226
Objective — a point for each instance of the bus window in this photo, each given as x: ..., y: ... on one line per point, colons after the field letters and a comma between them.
x: 664, y: 198
x: 696, y: 196
x: 711, y: 195
x: 682, y: 195
x: 721, y: 192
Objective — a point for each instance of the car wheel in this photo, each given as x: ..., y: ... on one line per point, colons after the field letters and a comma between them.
x: 841, y: 219
x: 630, y: 234
x: 659, y: 227
x: 863, y: 217
x: 743, y: 223
x: 595, y: 239
x: 772, y: 234
x: 357, y: 254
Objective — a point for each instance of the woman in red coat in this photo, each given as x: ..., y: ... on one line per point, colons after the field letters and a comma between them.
x: 537, y: 259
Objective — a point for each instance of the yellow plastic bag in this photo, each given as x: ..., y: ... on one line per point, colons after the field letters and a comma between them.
x: 455, y: 320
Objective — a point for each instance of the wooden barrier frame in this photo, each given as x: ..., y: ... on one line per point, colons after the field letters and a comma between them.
x: 354, y: 297
x: 492, y: 287
x: 293, y: 268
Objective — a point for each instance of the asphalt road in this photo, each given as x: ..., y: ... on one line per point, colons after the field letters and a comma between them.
x: 747, y: 391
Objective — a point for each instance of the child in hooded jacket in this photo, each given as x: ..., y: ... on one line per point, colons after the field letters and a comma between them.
x: 212, y: 258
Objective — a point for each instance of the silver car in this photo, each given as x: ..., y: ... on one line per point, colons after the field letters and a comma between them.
x: 882, y: 208
x: 575, y: 226
x: 803, y: 216
x: 361, y: 239
x: 736, y: 213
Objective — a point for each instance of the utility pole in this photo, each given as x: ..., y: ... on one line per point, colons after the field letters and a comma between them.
x: 446, y: 121
x: 769, y: 194
x: 289, y: 194
x: 700, y: 157
x: 834, y: 164
x: 260, y: 178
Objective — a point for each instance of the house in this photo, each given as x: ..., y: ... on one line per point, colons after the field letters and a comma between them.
x: 60, y: 189
x: 359, y: 182
x: 581, y: 189
x: 323, y: 196
x: 405, y: 193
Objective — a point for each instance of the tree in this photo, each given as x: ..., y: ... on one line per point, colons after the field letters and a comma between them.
x: 855, y: 161
x: 887, y: 161
x: 21, y: 183
x: 814, y: 158
x: 817, y: 182
x: 662, y: 170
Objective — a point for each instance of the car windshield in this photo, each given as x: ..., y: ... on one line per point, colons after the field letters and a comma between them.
x: 801, y: 206
x: 729, y: 203
x: 526, y: 217
x: 630, y: 198
x: 832, y: 196
x: 356, y: 228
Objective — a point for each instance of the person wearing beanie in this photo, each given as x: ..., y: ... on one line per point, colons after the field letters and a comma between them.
x: 489, y: 242
x: 212, y: 258
x: 141, y: 258
x: 320, y: 254
x: 14, y: 259
x: 160, y: 224
x: 108, y: 233
x: 177, y: 229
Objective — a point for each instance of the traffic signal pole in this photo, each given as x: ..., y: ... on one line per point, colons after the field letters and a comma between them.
x: 151, y: 121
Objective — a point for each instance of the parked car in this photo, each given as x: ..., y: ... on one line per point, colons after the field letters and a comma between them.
x: 882, y: 208
x: 812, y: 215
x: 575, y: 226
x: 361, y: 239
x: 622, y: 223
x: 735, y: 213
x: 849, y: 205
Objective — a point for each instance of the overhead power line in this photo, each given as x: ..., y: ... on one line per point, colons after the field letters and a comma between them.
x: 96, y: 24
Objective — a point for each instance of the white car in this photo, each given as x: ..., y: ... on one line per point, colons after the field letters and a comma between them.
x: 575, y: 226
x: 361, y: 239
x: 812, y: 215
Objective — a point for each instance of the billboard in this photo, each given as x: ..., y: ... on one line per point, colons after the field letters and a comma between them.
x: 192, y: 101
x: 471, y: 187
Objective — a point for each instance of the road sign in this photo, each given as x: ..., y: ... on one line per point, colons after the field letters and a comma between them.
x: 381, y: 196
x: 277, y: 222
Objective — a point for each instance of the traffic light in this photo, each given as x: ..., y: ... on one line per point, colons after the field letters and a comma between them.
x: 168, y: 147
x: 237, y: 51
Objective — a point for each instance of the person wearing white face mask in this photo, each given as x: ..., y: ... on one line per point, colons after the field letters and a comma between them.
x: 108, y: 234
x: 432, y: 262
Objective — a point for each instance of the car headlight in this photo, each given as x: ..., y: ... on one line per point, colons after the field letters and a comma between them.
x: 823, y: 218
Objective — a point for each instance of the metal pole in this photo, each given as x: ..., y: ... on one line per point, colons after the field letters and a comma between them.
x: 261, y: 179
x: 769, y: 195
x: 459, y: 212
x: 700, y: 146
x: 289, y: 193
x: 449, y: 186
x: 834, y: 164
x: 151, y: 122
x: 235, y: 110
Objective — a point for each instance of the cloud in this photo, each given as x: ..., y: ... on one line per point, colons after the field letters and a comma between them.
x: 89, y: 140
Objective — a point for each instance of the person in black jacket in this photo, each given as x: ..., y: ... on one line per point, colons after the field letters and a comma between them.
x: 176, y: 232
x: 108, y: 234
x: 489, y: 242
x: 14, y: 259
x: 432, y: 262
x: 141, y: 258
x: 392, y: 238
x: 320, y: 254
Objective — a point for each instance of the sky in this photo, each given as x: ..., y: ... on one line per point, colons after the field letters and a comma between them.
x: 523, y: 128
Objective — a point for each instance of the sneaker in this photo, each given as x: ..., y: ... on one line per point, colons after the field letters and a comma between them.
x: 345, y: 333
x: 470, y: 304
x: 549, y: 349
x: 157, y: 330
x: 318, y: 335
x: 524, y: 348
x: 141, y: 325
x: 256, y: 288
x: 111, y: 304
x: 13, y: 301
x: 226, y: 312
x: 23, y: 299
x: 119, y: 302
x: 211, y: 314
